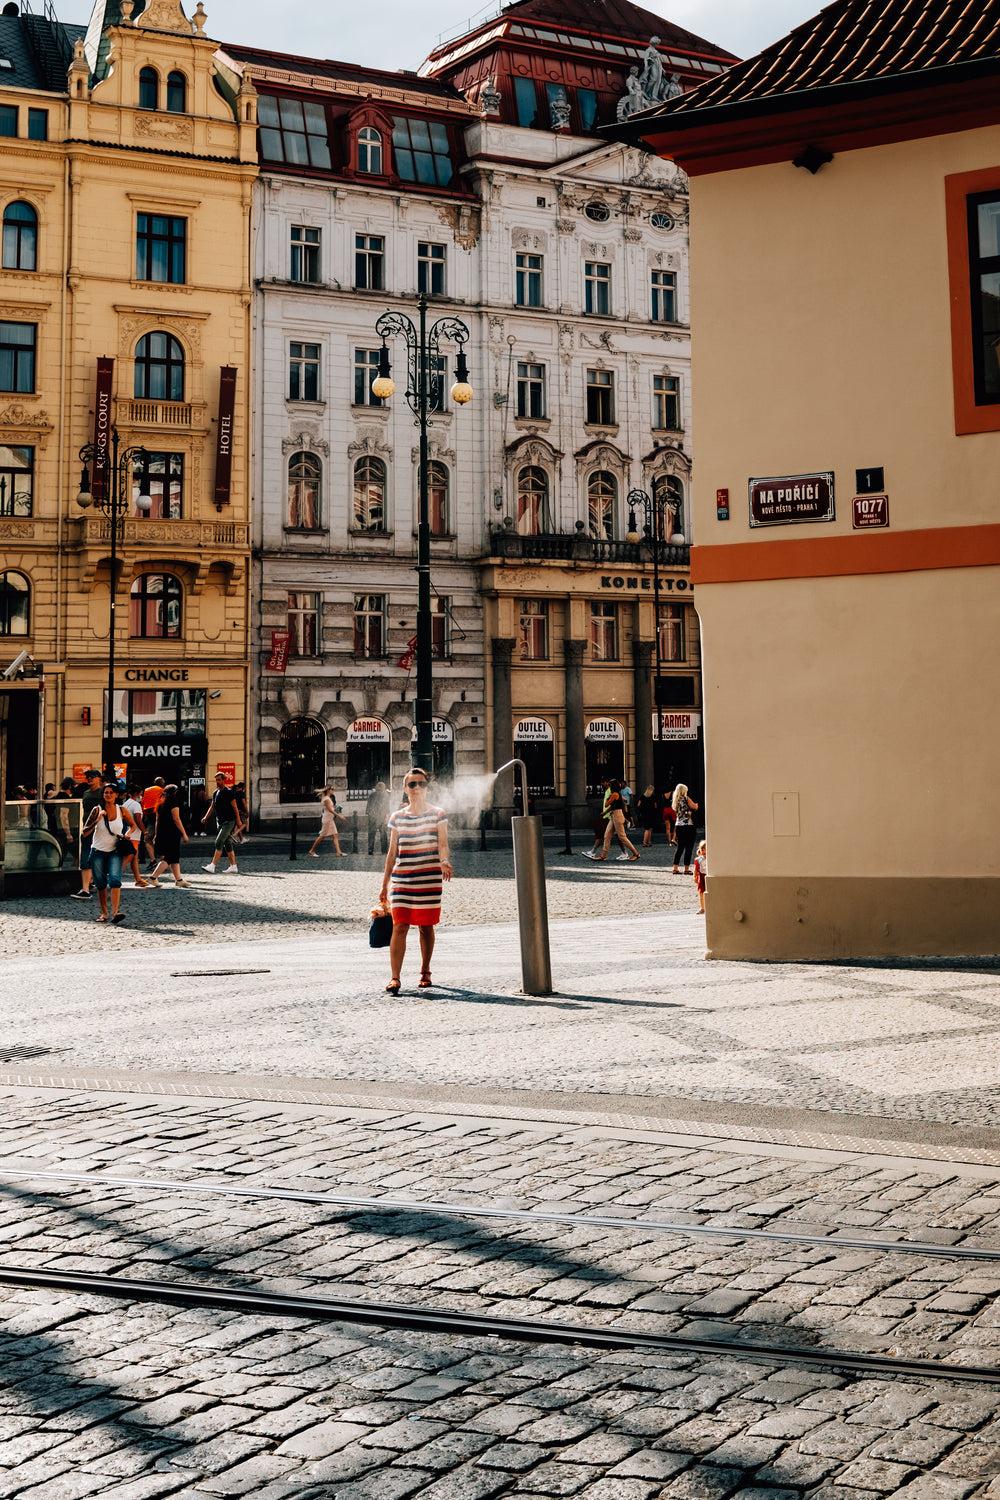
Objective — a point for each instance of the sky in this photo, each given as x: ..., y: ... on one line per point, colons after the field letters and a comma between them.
x: 399, y: 33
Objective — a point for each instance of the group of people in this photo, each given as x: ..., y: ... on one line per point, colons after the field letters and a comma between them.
x: 119, y: 820
x: 621, y: 812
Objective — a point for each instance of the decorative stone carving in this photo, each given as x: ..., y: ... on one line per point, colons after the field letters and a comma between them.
x: 527, y: 239
x: 163, y: 128
x: 647, y: 89
x: 595, y: 251
x: 368, y: 443
x: 601, y: 455
x: 16, y: 531
x: 532, y: 449
x: 165, y: 15
x: 464, y: 220
x: 603, y: 341
x: 497, y: 326
x: 566, y: 226
x: 559, y: 110
x: 436, y: 452
x: 634, y: 236
x: 131, y: 329
x: 305, y: 441
x: 489, y: 98
x: 20, y: 416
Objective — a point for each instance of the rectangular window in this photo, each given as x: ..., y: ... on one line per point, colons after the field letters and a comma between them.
x: 984, y: 264
x: 17, y: 474
x: 422, y: 152
x: 369, y: 625
x: 587, y: 104
x: 597, y: 288
x: 305, y: 254
x: 303, y: 372
x: 528, y: 280
x: 527, y: 102
x: 604, y: 632
x: 8, y: 119
x: 160, y: 478
x: 436, y: 387
x: 38, y: 124
x: 601, y: 397
x: 144, y: 713
x: 671, y: 617
x: 666, y: 402
x: 303, y: 621
x: 17, y: 356
x: 440, y: 627
x: 530, y: 390
x: 430, y: 269
x: 533, y: 634
x: 365, y: 371
x: 293, y: 131
x: 369, y: 262
x: 663, y: 294
x: 160, y: 248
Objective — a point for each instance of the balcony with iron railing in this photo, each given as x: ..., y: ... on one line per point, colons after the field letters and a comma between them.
x: 580, y: 547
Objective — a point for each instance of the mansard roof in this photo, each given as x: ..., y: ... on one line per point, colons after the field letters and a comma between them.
x: 298, y: 71
x: 618, y: 18
x: 38, y: 51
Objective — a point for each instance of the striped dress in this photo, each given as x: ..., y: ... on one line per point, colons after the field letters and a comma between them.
x: 415, y: 892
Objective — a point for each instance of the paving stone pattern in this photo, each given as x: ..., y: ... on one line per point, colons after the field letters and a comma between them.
x: 141, y: 1400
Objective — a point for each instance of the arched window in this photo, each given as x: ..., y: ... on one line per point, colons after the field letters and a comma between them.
x: 176, y: 93
x: 305, y: 477
x: 149, y: 88
x: 532, y: 501
x: 602, y: 493
x: 301, y: 760
x: 369, y: 494
x: 668, y: 491
x: 437, y: 498
x: 159, y: 368
x: 15, y: 604
x: 369, y: 150
x: 20, y: 237
x: 155, y: 607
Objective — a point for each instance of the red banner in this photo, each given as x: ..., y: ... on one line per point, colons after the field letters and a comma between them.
x: 224, y: 436
x: 409, y: 655
x: 102, y: 428
x: 281, y: 640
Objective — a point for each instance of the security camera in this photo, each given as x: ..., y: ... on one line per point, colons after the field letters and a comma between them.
x: 19, y: 661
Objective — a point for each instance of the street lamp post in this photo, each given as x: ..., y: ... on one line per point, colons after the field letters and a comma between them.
x: 652, y: 508
x: 423, y: 387
x: 112, y: 467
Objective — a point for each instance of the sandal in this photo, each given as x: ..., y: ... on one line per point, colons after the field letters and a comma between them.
x: 394, y: 986
x: 426, y: 982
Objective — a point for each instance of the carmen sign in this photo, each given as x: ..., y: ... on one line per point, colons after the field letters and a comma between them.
x: 791, y: 498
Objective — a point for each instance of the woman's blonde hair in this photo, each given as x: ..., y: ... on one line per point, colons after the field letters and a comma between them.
x: 648, y: 792
x: 701, y: 847
x: 680, y: 790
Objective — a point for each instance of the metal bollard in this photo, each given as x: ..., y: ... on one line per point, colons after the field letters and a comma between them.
x: 532, y: 906
x: 295, y: 834
x: 354, y: 821
x: 482, y: 831
x: 567, y: 827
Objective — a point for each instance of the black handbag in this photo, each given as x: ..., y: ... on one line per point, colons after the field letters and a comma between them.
x: 380, y: 930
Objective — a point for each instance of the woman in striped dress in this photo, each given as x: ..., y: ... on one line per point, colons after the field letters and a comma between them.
x: 417, y: 862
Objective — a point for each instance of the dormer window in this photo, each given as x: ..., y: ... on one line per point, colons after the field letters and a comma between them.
x: 149, y: 88
x: 176, y: 93
x: 369, y: 151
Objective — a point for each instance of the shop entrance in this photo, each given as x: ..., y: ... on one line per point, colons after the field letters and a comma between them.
x: 534, y: 743
x: 444, y: 749
x: 605, y: 744
x: 369, y: 756
x: 301, y: 760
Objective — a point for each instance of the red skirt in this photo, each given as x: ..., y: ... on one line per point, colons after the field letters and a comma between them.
x: 424, y: 916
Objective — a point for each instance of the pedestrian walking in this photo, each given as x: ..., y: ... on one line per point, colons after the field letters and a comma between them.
x: 227, y: 816
x: 201, y: 808
x: 133, y: 805
x: 701, y: 874
x: 616, y: 829
x: 683, y: 806
x: 376, y: 816
x: 417, y: 862
x: 109, y: 828
x: 66, y: 793
x: 91, y: 795
x: 150, y: 802
x: 328, y: 824
x: 170, y: 834
x: 647, y: 812
x: 240, y: 798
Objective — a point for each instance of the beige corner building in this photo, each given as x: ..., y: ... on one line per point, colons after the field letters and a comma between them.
x: 845, y: 263
x: 125, y: 190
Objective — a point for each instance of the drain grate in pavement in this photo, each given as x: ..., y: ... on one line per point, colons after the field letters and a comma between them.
x: 205, y: 973
x: 18, y: 1054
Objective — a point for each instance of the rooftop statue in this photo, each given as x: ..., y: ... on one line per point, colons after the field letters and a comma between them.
x: 646, y: 89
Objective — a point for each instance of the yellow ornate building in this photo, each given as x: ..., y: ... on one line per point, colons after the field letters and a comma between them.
x: 125, y: 193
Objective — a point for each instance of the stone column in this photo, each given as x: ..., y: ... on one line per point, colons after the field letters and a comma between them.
x: 576, y: 760
x: 642, y: 691
x: 503, y: 717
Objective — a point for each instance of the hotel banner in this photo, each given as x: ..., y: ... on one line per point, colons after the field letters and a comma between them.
x: 224, y: 437
x: 102, y: 428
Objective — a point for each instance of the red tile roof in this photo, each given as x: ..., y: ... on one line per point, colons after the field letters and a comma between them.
x: 851, y: 46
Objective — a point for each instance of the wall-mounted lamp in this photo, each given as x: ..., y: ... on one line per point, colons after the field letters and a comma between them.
x: 216, y: 694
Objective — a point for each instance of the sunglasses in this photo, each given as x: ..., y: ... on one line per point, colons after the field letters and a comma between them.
x: 414, y: 783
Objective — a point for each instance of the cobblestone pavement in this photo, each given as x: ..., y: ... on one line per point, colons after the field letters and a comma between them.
x: 132, y: 1401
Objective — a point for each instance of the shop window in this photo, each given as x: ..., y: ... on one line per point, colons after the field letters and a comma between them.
x: 17, y: 357
x: 155, y: 607
x: 533, y: 635
x: 369, y: 753
x: 605, y: 747
x: 532, y: 501
x: 601, y: 398
x: 663, y: 297
x: 159, y: 368
x: 17, y: 481
x: 603, y: 631
x: 301, y: 760
x: 671, y: 619
x: 369, y: 625
x: 666, y: 402
x: 422, y: 151
x: 161, y: 477
x: 441, y: 627
x: 303, y: 372
x: 369, y: 262
x: 369, y: 151
x: 535, y: 745
x: 38, y: 124
x: 437, y: 499
x: 305, y: 478
x: 293, y: 131
x: 365, y: 371
x: 303, y: 624
x: 430, y: 269
x: 160, y: 248
x: 15, y: 604
x: 527, y: 280
x: 20, y: 237
x: 530, y: 390
x: 149, y: 88
x: 176, y: 93
x: 147, y: 713
x: 369, y: 494
x: 304, y: 254
x: 596, y: 288
x: 602, y: 496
